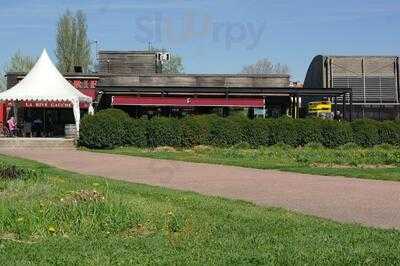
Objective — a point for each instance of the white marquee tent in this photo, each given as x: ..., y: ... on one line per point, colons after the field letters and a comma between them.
x: 45, y: 83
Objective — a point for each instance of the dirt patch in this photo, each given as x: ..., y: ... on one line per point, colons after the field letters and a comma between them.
x: 83, y: 196
x: 140, y: 230
x: 164, y: 149
x: 8, y: 236
x: 201, y: 148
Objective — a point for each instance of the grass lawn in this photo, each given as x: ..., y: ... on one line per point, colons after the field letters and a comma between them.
x: 382, y: 162
x: 57, y: 217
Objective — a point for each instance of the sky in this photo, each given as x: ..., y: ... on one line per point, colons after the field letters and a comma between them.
x: 213, y: 36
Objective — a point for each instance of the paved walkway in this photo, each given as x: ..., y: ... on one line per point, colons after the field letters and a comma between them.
x: 369, y: 202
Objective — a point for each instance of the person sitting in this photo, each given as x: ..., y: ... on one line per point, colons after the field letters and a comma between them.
x: 12, y: 126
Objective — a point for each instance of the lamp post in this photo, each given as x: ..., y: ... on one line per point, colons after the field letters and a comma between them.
x: 96, y: 43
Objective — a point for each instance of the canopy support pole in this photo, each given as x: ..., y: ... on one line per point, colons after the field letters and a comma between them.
x: 77, y: 115
x: 44, y: 121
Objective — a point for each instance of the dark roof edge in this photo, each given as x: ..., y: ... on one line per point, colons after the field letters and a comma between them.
x: 202, y: 75
x: 166, y: 75
x: 359, y: 56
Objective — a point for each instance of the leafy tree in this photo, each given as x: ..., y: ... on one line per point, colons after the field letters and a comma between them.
x: 265, y: 66
x: 72, y: 43
x: 174, y: 65
x: 17, y: 63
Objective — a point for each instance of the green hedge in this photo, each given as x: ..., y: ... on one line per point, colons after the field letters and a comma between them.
x: 110, y: 128
x: 335, y: 133
x: 136, y: 133
x: 164, y: 131
x: 195, y: 130
x: 366, y: 132
x: 106, y: 129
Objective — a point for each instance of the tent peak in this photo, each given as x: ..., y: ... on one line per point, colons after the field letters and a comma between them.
x: 45, y: 56
x: 44, y: 53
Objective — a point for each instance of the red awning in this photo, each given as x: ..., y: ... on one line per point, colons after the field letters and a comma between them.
x: 187, y: 102
x: 48, y: 104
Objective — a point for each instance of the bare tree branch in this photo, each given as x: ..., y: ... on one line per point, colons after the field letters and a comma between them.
x: 265, y: 66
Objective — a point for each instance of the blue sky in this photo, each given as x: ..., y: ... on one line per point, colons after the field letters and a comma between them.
x: 214, y: 36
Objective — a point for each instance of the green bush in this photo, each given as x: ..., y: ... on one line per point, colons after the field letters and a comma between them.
x: 366, y: 132
x: 224, y: 132
x: 136, y: 133
x: 195, y: 130
x: 105, y: 129
x: 113, y: 127
x: 306, y: 131
x: 389, y: 133
x: 335, y: 134
x: 257, y: 132
x: 283, y: 130
x: 162, y: 131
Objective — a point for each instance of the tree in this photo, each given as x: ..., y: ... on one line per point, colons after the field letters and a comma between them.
x: 174, y: 65
x: 265, y: 66
x: 18, y: 63
x: 72, y: 43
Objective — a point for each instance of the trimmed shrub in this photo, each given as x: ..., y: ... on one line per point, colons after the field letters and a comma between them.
x: 113, y: 127
x: 162, y: 131
x: 105, y: 129
x: 257, y: 132
x: 366, y: 132
x: 307, y: 131
x: 335, y: 134
x: 195, y: 130
x: 283, y: 130
x: 224, y: 132
x: 136, y: 133
x: 389, y: 133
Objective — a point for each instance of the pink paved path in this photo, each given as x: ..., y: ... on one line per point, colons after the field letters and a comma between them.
x: 369, y: 202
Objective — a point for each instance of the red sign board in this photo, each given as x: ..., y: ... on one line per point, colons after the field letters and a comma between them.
x: 48, y: 104
x: 86, y: 86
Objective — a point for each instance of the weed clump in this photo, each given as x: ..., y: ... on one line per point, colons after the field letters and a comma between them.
x: 83, y: 196
x: 13, y: 172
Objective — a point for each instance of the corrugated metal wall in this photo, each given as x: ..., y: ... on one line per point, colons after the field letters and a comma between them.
x: 373, y: 79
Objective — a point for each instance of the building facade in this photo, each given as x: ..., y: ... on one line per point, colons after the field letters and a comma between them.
x: 133, y: 81
x: 374, y: 81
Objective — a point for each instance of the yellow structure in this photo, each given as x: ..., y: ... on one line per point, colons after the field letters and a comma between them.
x: 320, y: 107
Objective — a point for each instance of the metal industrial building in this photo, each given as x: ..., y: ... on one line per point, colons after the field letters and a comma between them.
x: 374, y: 81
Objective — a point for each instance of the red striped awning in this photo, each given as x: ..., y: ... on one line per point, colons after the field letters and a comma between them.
x: 187, y: 102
